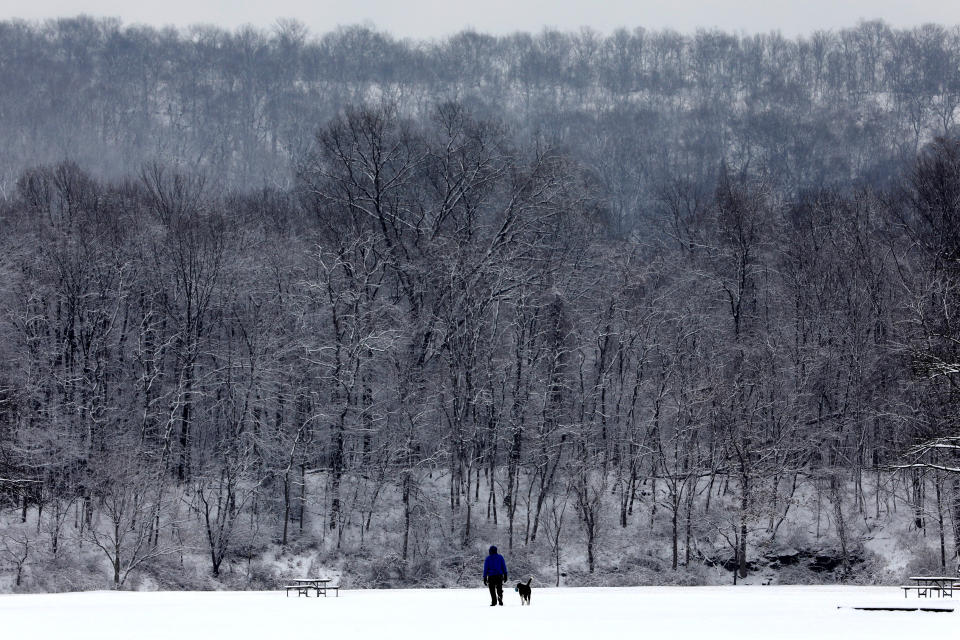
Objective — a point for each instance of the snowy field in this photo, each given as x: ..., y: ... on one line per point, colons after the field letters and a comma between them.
x: 665, y: 613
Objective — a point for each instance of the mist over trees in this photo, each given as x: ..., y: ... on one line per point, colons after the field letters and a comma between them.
x: 386, y: 299
x: 636, y: 106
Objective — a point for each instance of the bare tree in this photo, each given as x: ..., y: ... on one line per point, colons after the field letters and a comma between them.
x: 15, y: 549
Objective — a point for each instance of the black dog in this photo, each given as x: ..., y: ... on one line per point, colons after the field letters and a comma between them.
x: 524, y: 591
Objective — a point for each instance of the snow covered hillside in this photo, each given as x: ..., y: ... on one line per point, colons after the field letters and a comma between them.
x: 804, y: 549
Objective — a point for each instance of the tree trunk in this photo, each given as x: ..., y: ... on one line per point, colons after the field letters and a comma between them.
x: 742, y: 550
x: 286, y: 506
x: 837, y: 501
x: 675, y: 534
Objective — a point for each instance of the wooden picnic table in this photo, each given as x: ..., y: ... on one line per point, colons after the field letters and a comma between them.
x: 943, y: 585
x: 320, y: 585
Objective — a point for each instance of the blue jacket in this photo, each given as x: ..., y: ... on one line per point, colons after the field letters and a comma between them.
x: 494, y: 565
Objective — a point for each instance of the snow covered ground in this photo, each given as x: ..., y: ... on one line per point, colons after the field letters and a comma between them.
x: 665, y: 613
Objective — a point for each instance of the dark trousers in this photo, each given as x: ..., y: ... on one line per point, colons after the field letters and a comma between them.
x: 495, y: 584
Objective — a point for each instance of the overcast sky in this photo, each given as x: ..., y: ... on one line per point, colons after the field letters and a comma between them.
x: 431, y: 19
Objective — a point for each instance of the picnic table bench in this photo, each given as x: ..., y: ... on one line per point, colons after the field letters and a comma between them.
x: 320, y: 585
x: 943, y: 586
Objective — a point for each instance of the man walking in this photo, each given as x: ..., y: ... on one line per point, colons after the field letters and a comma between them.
x: 494, y: 575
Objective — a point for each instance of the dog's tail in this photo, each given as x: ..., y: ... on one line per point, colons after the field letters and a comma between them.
x: 529, y: 581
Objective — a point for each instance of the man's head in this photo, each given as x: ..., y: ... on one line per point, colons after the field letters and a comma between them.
x: 493, y: 549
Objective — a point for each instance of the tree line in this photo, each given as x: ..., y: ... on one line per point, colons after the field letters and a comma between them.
x: 434, y: 302
x: 638, y: 106
x: 450, y: 319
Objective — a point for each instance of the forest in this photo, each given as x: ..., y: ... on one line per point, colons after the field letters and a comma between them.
x: 644, y: 307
